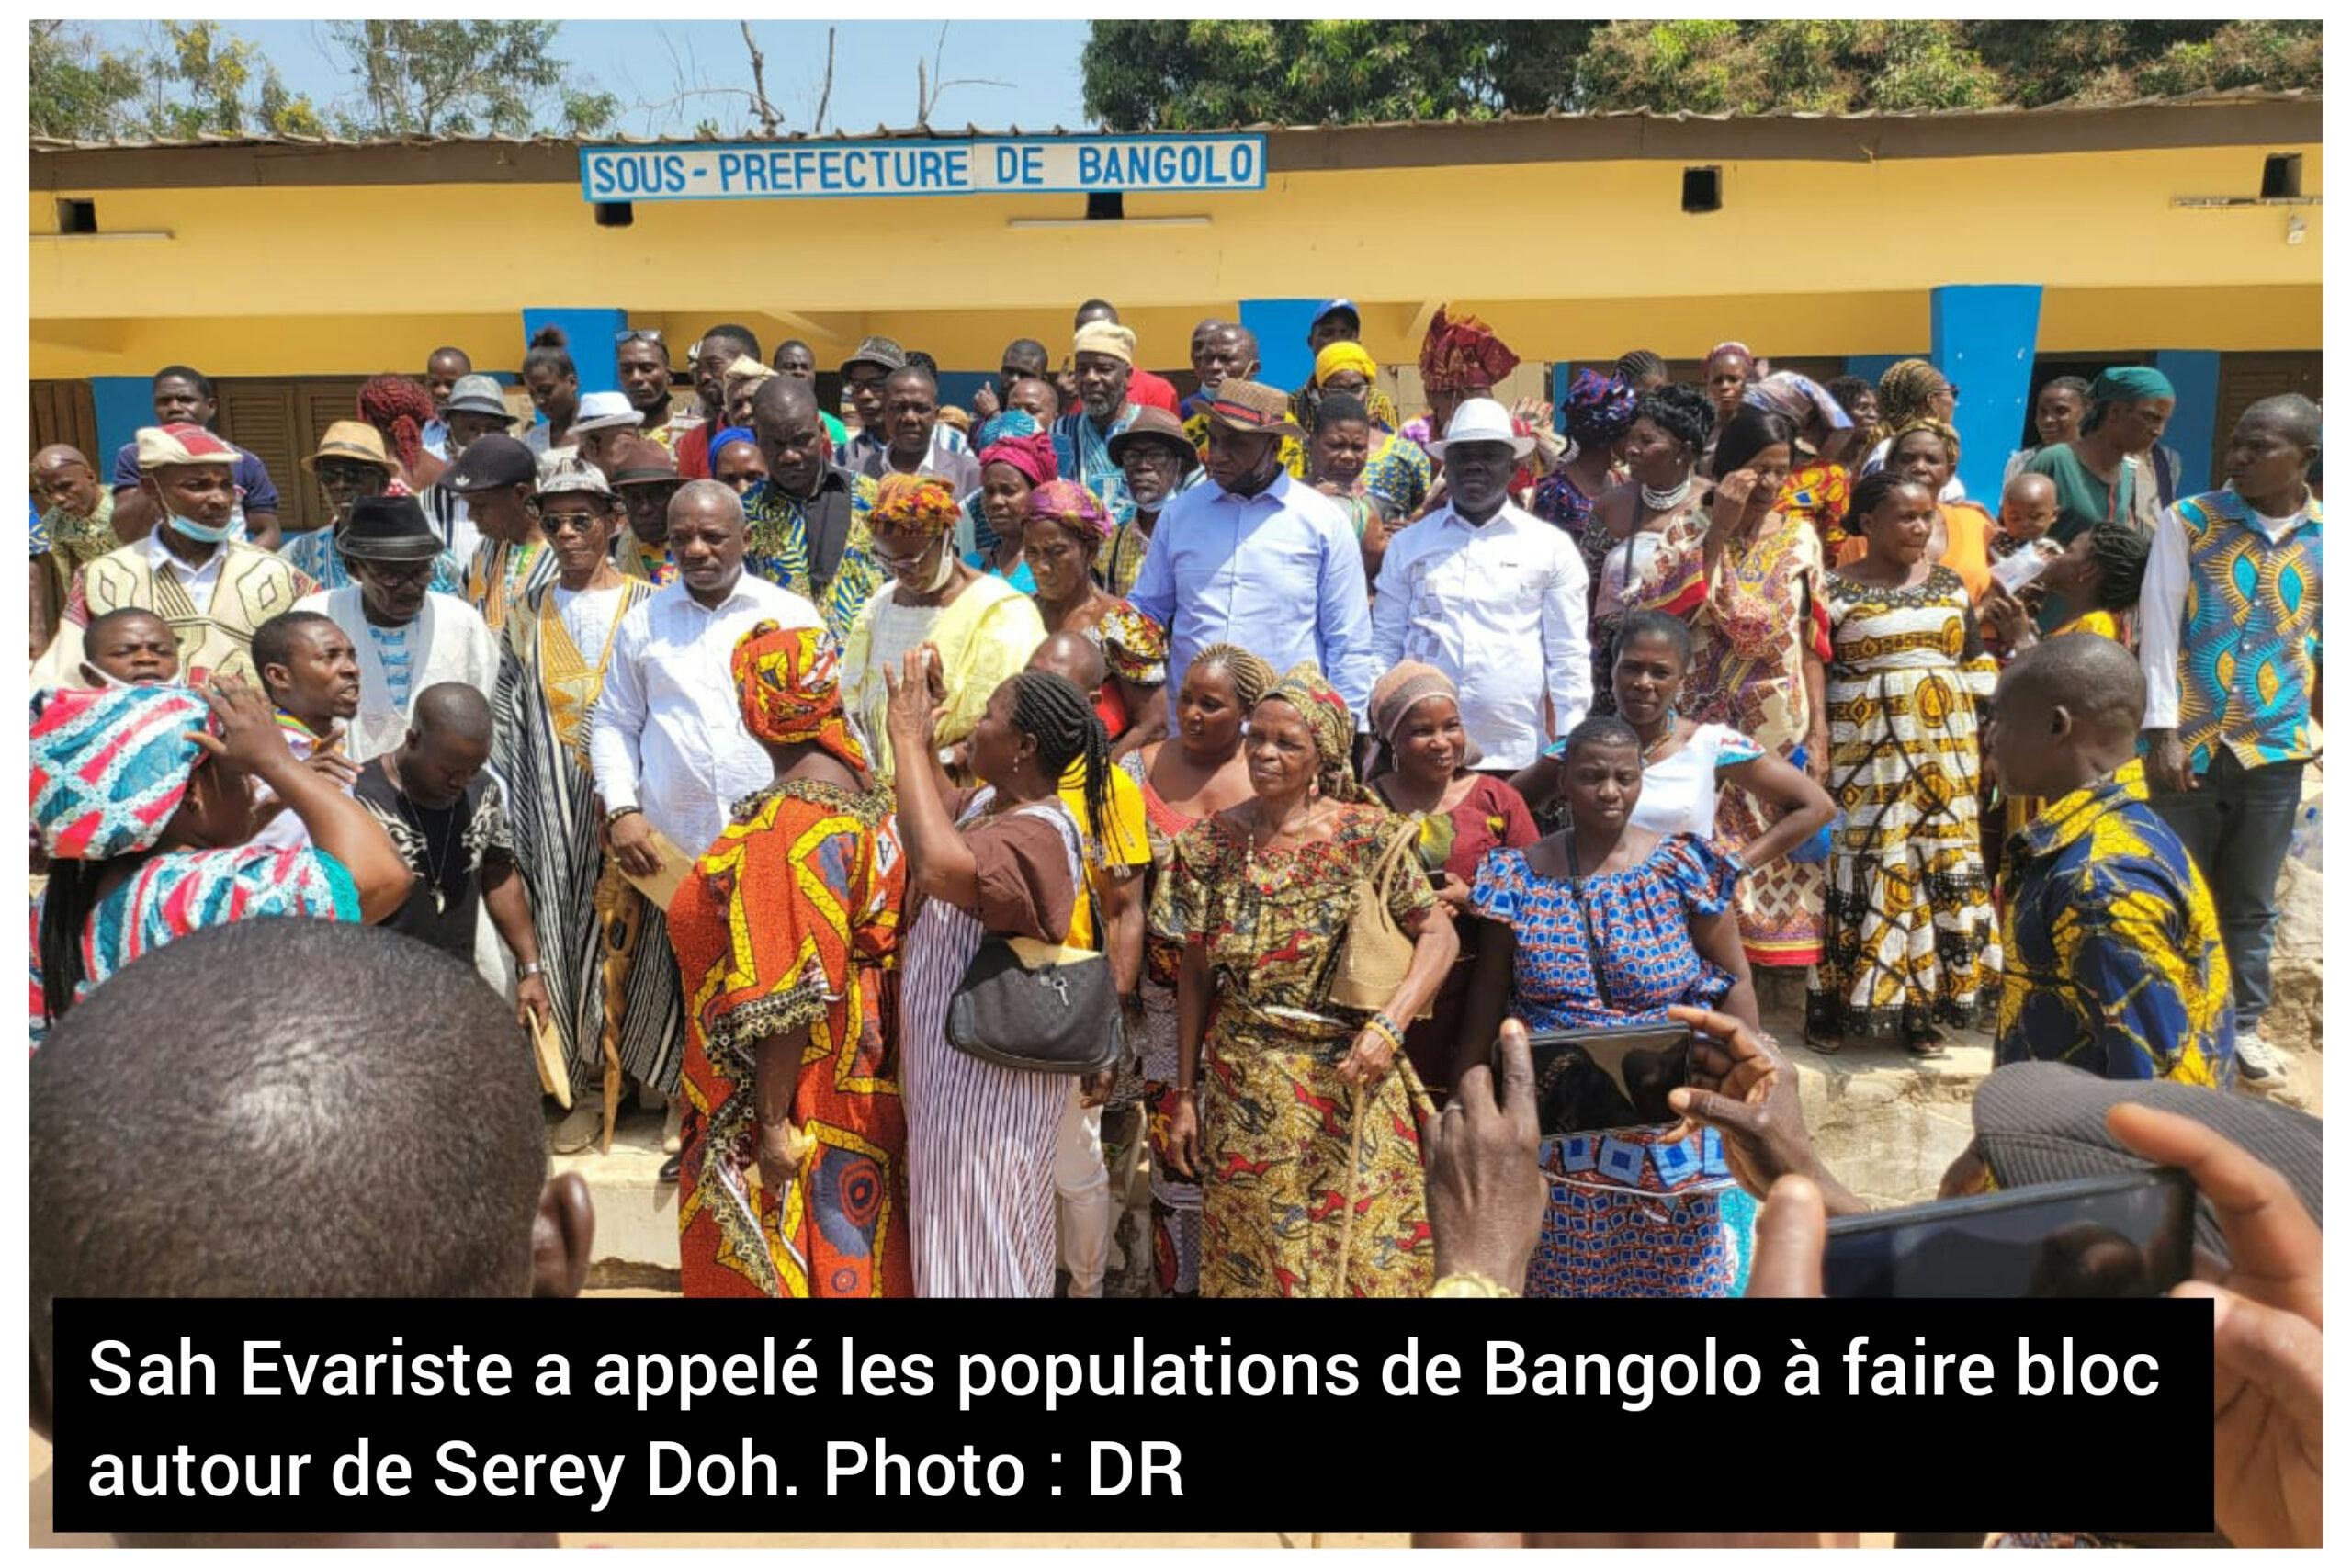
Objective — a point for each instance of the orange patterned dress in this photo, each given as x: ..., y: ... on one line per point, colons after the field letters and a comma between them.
x: 785, y: 923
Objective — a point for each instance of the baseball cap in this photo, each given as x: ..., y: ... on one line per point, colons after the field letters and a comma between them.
x: 489, y: 462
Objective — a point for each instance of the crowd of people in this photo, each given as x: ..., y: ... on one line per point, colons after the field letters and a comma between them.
x: 761, y: 755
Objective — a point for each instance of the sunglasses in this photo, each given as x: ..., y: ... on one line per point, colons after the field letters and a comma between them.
x: 636, y: 334
x: 552, y: 523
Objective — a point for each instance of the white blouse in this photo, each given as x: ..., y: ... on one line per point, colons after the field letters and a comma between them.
x: 1678, y: 790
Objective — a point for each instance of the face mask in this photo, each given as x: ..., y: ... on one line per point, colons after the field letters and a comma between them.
x: 947, y: 570
x: 188, y: 528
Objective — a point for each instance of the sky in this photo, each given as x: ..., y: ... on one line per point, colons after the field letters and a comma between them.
x: 648, y: 66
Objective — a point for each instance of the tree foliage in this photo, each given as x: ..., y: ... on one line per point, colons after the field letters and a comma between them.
x: 1195, y: 75
x: 1190, y: 74
x: 194, y: 78
x: 455, y: 78
x: 432, y: 78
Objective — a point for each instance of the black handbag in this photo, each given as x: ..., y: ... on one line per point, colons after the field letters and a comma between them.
x: 1039, y: 1007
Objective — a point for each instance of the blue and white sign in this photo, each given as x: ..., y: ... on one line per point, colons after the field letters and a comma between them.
x: 986, y: 166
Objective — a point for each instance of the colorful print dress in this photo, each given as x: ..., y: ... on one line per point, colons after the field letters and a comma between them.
x: 179, y: 891
x: 1910, y: 940
x: 1175, y: 1197
x: 1752, y: 624
x: 1308, y: 1192
x: 787, y: 923
x: 1630, y: 1214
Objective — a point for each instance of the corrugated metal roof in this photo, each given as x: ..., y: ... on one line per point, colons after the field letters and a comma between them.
x: 2206, y: 99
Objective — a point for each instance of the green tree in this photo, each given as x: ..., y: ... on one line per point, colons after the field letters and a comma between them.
x: 2106, y: 62
x: 1820, y: 67
x: 195, y: 78
x: 1192, y: 74
x: 79, y: 90
x: 455, y: 78
x: 1198, y: 74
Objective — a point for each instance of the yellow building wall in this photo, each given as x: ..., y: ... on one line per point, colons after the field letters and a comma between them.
x: 1570, y: 259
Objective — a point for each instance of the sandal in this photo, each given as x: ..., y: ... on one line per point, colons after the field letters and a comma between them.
x: 1927, y: 1048
x: 1828, y: 1046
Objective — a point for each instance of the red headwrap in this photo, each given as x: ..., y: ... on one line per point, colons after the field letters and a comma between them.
x: 1031, y: 456
x: 790, y: 679
x: 1463, y: 355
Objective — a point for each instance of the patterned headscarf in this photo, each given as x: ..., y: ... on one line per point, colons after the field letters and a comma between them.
x: 1015, y: 439
x: 1328, y: 719
x: 790, y: 681
x: 109, y: 767
x: 1600, y: 409
x: 1406, y: 687
x: 1797, y: 399
x: 914, y: 501
x: 1905, y: 392
x: 2124, y: 384
x: 1073, y: 506
x: 1252, y: 676
x: 1344, y: 356
x: 1942, y: 431
x: 1462, y: 353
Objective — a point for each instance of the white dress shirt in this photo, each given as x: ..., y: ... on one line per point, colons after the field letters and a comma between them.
x: 2164, y: 600
x: 198, y: 581
x: 1500, y: 608
x: 667, y: 733
x: 287, y: 830
x: 1279, y: 573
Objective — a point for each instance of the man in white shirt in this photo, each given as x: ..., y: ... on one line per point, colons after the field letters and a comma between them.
x: 407, y: 638
x: 667, y: 742
x: 1492, y: 595
x: 1256, y: 558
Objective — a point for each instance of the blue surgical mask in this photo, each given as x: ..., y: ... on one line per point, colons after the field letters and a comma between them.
x: 190, y: 528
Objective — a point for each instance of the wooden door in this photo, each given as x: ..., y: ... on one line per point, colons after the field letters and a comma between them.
x: 63, y: 414
x: 279, y: 420
x: 2249, y: 377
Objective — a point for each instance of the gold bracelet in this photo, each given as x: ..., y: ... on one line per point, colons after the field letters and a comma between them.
x: 1468, y: 1284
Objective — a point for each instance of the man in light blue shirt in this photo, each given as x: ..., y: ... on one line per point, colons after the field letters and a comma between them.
x: 1256, y: 558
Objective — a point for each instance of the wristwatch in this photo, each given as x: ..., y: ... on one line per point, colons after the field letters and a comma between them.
x: 618, y: 812
x: 526, y: 970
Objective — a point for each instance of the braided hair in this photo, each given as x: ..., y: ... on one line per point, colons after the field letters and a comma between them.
x: 1252, y: 676
x: 401, y: 409
x: 1637, y: 365
x: 1684, y: 413
x: 2120, y: 553
x: 1055, y: 713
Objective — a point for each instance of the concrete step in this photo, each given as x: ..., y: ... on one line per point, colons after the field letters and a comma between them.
x: 636, y: 1213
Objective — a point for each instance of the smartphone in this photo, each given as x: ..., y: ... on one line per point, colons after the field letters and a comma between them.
x: 1590, y: 1080
x: 2107, y: 1236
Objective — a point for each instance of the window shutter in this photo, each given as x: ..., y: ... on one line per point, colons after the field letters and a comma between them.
x: 258, y: 415
x: 64, y: 413
x: 2248, y: 379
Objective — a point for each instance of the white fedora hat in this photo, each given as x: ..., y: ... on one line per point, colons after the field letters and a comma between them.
x: 1482, y: 419
x: 605, y: 411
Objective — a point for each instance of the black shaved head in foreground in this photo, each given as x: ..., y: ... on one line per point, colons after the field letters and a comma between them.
x: 383, y: 1138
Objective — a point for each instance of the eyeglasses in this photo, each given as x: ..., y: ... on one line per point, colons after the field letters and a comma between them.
x: 556, y: 522
x: 634, y: 334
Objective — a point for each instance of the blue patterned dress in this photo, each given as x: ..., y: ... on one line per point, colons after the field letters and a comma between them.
x: 1630, y: 1214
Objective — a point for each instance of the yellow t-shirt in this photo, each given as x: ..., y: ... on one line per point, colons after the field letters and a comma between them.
x: 1127, y: 845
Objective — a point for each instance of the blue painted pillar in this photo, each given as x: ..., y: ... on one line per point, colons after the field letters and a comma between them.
x: 589, y: 340
x: 1280, y: 325
x: 122, y: 404
x: 2196, y: 377
x: 1983, y: 343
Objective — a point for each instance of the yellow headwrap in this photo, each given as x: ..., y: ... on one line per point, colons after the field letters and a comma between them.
x: 1337, y: 356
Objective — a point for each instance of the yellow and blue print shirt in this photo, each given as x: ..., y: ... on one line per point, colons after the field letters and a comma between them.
x: 2249, y: 644
x: 2113, y: 956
